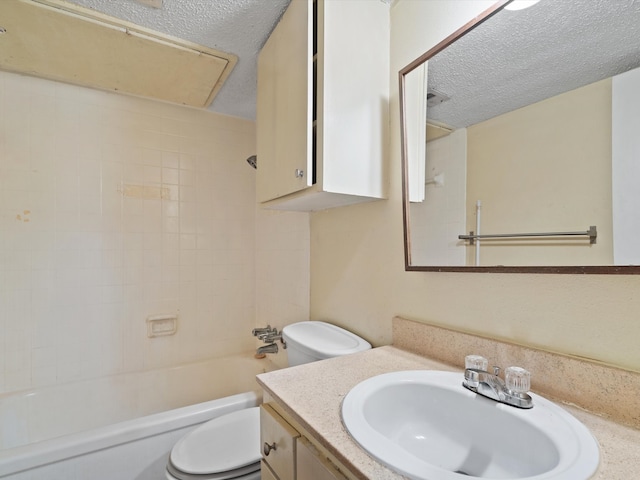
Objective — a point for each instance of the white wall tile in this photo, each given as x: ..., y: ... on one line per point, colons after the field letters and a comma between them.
x: 83, y: 263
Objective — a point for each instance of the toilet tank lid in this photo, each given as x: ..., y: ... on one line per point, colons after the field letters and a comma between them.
x: 324, y: 339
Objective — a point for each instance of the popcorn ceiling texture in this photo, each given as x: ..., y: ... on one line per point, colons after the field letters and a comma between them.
x: 235, y: 26
x: 521, y: 57
x: 526, y: 42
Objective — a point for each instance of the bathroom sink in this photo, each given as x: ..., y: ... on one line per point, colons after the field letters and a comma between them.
x: 427, y: 426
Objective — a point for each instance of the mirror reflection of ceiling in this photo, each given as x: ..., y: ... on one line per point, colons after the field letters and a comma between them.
x: 533, y: 54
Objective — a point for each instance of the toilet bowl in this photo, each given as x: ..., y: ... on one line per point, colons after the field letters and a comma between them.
x: 228, y: 447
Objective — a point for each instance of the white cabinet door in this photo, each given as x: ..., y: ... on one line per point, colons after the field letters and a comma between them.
x: 277, y: 439
x: 338, y: 159
x: 284, y: 107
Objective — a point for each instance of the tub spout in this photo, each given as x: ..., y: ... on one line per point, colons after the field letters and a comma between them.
x: 270, y: 348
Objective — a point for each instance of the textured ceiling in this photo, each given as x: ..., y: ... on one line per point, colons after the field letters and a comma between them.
x: 520, y: 57
x: 235, y: 26
x: 514, y: 59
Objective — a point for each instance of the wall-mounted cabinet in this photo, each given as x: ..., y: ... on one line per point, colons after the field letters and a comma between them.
x: 322, y: 122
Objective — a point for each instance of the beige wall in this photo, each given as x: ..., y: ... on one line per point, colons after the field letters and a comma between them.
x: 357, y: 269
x: 544, y: 168
x: 112, y: 209
x: 282, y: 271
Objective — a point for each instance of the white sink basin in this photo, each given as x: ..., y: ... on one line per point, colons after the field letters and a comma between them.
x: 427, y: 426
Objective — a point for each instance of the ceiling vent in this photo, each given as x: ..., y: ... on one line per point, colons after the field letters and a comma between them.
x: 435, y: 98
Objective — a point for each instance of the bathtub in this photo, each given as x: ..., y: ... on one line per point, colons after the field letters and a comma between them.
x: 120, y: 427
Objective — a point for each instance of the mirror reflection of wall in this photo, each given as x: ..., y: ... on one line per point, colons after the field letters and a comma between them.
x: 544, y: 167
x: 552, y: 165
x: 441, y: 217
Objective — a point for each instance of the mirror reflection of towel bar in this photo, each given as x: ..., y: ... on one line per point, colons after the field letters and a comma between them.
x: 592, y: 233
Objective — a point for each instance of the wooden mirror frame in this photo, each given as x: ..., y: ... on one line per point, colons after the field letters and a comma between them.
x: 589, y: 269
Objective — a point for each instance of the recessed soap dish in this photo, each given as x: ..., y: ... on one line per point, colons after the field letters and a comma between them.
x: 161, y: 325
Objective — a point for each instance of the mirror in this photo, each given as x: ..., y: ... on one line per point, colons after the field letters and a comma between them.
x: 520, y: 142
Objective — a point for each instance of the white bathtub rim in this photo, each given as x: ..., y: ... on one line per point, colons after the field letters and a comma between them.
x: 42, y: 453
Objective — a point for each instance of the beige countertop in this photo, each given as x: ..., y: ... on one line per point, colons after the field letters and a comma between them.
x: 312, y: 394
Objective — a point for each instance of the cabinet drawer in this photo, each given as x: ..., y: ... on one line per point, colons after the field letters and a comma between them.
x: 277, y: 440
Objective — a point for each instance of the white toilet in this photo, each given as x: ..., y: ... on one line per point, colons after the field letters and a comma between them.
x: 228, y: 447
x: 312, y: 341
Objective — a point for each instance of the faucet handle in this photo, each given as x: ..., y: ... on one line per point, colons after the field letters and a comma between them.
x: 476, y: 362
x: 257, y: 332
x: 271, y: 337
x: 518, y: 379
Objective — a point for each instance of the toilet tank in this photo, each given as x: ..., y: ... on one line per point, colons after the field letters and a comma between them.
x: 312, y: 341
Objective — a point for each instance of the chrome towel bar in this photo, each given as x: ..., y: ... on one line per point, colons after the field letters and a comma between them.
x: 592, y: 233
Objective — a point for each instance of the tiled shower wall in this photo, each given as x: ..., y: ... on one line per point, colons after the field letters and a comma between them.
x: 114, y: 208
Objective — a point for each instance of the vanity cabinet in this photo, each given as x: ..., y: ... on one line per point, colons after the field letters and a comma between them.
x: 322, y: 105
x: 287, y: 454
x: 265, y: 472
x: 312, y: 465
x: 278, y: 439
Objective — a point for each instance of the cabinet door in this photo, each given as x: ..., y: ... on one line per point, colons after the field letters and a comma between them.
x: 278, y: 438
x: 284, y: 105
x: 312, y: 466
x: 353, y: 84
x: 266, y: 473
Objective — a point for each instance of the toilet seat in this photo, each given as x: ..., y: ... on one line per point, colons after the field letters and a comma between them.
x: 227, y: 447
x: 250, y: 472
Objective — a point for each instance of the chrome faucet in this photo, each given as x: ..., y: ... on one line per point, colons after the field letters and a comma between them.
x: 270, y: 348
x: 263, y: 332
x: 269, y: 336
x: 512, y: 392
